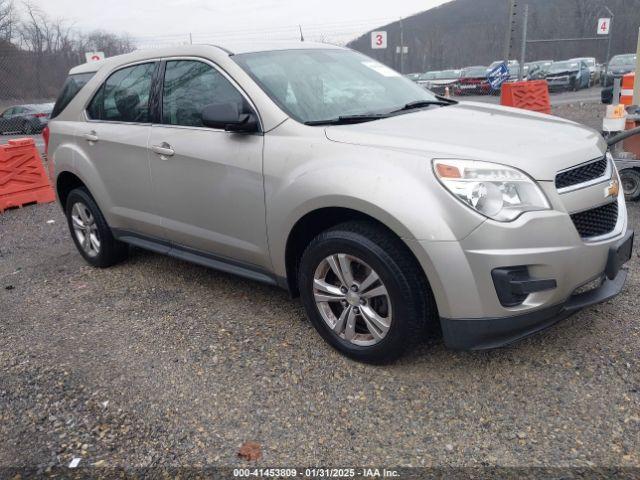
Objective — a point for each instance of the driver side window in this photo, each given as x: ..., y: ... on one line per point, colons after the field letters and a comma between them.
x: 189, y: 86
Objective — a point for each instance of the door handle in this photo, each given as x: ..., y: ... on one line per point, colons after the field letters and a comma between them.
x: 164, y: 150
x: 91, y: 136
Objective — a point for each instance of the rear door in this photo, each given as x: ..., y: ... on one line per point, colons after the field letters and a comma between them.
x: 209, y: 188
x: 114, y: 142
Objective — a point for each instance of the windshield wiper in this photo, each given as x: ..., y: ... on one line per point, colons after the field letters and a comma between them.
x: 349, y: 119
x: 442, y: 101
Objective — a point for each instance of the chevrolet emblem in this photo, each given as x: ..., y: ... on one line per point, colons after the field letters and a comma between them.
x: 613, y: 189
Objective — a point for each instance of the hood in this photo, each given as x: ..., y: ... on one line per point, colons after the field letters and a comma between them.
x: 538, y: 144
x: 442, y: 81
x: 621, y: 70
x: 560, y: 74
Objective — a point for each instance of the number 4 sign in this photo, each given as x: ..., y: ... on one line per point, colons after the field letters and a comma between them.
x: 604, y: 25
x: 378, y: 40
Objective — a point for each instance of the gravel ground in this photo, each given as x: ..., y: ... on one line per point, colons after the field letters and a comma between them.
x: 157, y: 362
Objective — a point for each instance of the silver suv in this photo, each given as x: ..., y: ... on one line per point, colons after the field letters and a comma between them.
x: 314, y: 168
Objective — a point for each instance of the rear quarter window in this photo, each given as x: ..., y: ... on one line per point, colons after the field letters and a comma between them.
x: 124, y: 97
x: 70, y: 89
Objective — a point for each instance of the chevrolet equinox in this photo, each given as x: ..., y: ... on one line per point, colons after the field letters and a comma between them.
x: 317, y: 169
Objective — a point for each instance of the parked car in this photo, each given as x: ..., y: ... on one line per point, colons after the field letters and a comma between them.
x: 473, y: 81
x: 511, y: 63
x: 427, y: 77
x: 619, y: 66
x: 594, y: 71
x: 538, y: 70
x: 438, y: 82
x: 384, y: 212
x: 26, y: 119
x: 606, y: 95
x: 568, y: 75
x: 413, y: 76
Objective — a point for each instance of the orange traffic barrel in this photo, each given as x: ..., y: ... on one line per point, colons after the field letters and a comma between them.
x: 632, y: 144
x: 626, y: 94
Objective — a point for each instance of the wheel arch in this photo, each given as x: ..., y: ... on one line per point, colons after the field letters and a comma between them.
x: 318, y: 220
x: 65, y: 183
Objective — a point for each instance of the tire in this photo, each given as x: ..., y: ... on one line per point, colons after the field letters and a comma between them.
x: 408, y: 301
x: 107, y: 251
x: 630, y: 178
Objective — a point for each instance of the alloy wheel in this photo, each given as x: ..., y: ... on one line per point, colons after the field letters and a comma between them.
x: 352, y: 299
x: 85, y: 229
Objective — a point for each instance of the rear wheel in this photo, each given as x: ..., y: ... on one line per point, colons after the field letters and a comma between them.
x: 364, y: 292
x: 91, y: 234
x: 630, y: 178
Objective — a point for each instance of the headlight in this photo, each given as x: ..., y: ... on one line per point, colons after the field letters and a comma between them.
x: 495, y: 191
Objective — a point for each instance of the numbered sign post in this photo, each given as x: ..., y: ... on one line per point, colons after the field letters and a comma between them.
x: 604, y: 26
x: 378, y: 40
x: 94, y: 56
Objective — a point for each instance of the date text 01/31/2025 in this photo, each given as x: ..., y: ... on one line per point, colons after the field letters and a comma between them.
x: 315, y: 473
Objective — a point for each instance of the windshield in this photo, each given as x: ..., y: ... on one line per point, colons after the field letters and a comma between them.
x: 447, y: 74
x: 623, y: 61
x: 475, y: 72
x: 316, y: 85
x: 429, y: 76
x: 563, y: 67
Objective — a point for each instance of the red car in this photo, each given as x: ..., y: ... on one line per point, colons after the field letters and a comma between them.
x: 473, y: 81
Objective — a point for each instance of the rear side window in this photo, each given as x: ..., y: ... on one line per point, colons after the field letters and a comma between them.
x: 70, y: 89
x: 124, y: 97
x: 189, y: 86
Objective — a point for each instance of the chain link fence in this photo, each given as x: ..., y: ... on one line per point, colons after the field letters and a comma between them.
x: 27, y: 77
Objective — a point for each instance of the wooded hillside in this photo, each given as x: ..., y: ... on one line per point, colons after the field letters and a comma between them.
x: 473, y: 32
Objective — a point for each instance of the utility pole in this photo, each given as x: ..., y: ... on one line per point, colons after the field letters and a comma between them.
x: 401, y: 47
x: 636, y: 88
x: 606, y: 70
x: 523, y: 50
x: 510, y: 30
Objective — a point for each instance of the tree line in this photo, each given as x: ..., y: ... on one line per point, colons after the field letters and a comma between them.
x: 473, y: 32
x: 37, y: 51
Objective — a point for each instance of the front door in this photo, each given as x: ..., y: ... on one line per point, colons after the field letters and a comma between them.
x: 207, y: 183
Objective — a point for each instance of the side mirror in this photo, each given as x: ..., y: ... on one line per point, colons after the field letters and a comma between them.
x: 227, y: 116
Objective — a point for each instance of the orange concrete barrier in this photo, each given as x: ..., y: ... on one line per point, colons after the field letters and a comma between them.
x: 626, y: 93
x: 632, y: 144
x: 532, y: 95
x: 22, y: 176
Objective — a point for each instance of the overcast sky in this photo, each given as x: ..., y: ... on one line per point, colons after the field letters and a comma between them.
x: 166, y: 21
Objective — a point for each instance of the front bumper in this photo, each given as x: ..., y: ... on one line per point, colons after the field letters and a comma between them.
x: 559, y: 84
x: 487, y: 333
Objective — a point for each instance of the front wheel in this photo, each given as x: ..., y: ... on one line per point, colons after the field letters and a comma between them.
x: 630, y: 178
x: 364, y: 292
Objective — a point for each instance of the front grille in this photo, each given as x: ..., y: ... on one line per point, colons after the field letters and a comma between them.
x: 582, y: 174
x: 596, y: 222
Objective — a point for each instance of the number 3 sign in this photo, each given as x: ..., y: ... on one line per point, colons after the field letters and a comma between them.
x: 378, y: 40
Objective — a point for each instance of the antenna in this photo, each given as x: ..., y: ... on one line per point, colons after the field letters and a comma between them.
x: 301, y: 35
